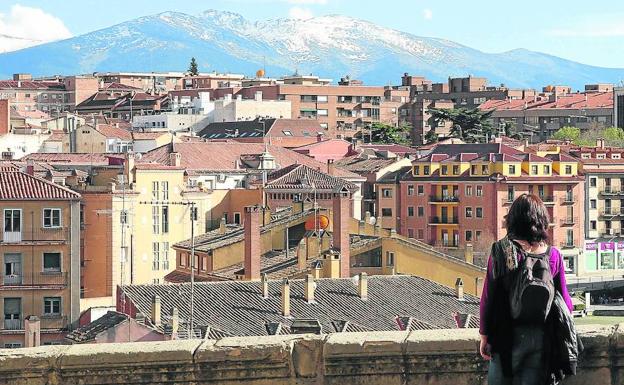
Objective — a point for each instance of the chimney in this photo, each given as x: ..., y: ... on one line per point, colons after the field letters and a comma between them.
x: 32, y: 332
x: 341, y: 217
x: 30, y: 167
x: 363, y: 286
x: 302, y: 259
x: 600, y: 143
x: 286, y: 298
x: 459, y: 289
x: 316, y: 270
x: 310, y: 285
x: 175, y: 323
x: 331, y: 265
x: 239, y: 98
x: 264, y: 281
x: 587, y: 301
x: 305, y: 326
x: 222, y: 226
x: 469, y: 253
x: 252, y: 243
x: 330, y: 167
x: 258, y: 96
x: 175, y: 159
x: 156, y: 311
x: 5, y: 121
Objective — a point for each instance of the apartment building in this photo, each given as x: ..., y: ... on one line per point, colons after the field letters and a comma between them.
x: 460, y: 193
x: 50, y: 96
x: 213, y: 80
x: 544, y: 114
x: 40, y: 251
x: 123, y: 104
x: 153, y: 82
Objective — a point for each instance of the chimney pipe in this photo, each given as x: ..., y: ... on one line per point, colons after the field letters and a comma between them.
x: 222, y: 226
x: 156, y: 310
x: 363, y: 286
x: 302, y: 259
x: 252, y: 243
x: 330, y: 167
x: 286, y: 298
x: 331, y: 265
x: 264, y: 281
x: 175, y: 323
x: 469, y: 253
x: 341, y: 217
x: 459, y: 289
x: 175, y: 159
x: 316, y: 271
x: 310, y: 285
x: 32, y: 331
x: 30, y: 167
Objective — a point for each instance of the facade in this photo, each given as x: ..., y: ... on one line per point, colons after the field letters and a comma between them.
x: 154, y: 82
x: 123, y: 104
x: 98, y: 138
x: 40, y: 251
x: 418, y: 116
x: 446, y: 197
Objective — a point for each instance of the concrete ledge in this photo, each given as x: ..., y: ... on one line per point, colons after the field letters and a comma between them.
x: 420, y: 357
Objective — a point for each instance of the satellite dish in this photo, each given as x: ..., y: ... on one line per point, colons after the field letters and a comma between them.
x: 372, y: 220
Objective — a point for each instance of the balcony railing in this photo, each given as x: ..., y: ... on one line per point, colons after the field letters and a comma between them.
x: 444, y: 198
x: 568, y: 199
x: 444, y: 220
x: 547, y: 199
x: 506, y: 201
x: 13, y: 324
x: 53, y: 322
x: 610, y: 233
x: 610, y: 190
x: 56, y: 235
x: 568, y: 244
x: 569, y: 221
x: 444, y: 244
x: 40, y: 279
x: 610, y: 211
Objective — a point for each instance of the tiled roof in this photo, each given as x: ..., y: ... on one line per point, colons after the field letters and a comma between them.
x: 584, y: 100
x: 57, y: 136
x: 238, y: 308
x: 97, y: 159
x: 90, y: 331
x: 119, y: 86
x: 229, y: 156
x: 360, y: 165
x: 111, y: 131
x: 256, y: 129
x: 32, y: 85
x: 395, y: 148
x: 16, y: 185
x: 299, y: 176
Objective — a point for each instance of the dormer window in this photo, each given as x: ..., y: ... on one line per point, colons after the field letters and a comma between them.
x: 455, y: 170
x: 444, y: 170
x: 546, y: 169
x: 485, y: 169
x: 426, y: 170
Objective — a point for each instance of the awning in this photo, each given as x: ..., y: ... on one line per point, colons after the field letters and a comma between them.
x: 307, y: 109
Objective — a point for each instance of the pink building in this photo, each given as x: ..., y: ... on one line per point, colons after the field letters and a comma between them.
x: 332, y: 149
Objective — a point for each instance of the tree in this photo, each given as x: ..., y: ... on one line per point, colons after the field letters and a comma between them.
x: 389, y: 134
x: 193, y: 71
x: 469, y: 125
x: 431, y: 136
x: 512, y: 131
x: 568, y: 133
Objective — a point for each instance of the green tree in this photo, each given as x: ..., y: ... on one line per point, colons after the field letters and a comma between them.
x: 512, y: 131
x: 470, y: 125
x: 389, y: 134
x: 192, y: 70
x: 568, y: 133
x: 431, y: 136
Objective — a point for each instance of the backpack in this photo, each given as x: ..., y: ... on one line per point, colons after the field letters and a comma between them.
x: 529, y: 282
x: 532, y: 289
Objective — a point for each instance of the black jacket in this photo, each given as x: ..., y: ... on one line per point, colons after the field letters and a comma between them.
x: 562, y: 345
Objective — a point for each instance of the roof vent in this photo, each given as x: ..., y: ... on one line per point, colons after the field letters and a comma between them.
x: 305, y: 326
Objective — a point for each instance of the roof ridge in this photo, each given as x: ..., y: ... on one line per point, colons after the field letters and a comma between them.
x: 41, y: 180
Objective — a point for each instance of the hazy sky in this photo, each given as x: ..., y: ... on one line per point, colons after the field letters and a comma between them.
x: 591, y: 32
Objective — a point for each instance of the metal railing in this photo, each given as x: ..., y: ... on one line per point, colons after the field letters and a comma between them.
x: 568, y: 244
x: 568, y: 199
x: 610, y: 211
x: 39, y: 279
x: 444, y: 198
x: 444, y: 220
x: 53, y: 322
x: 547, y: 199
x: 610, y: 190
x: 13, y: 324
x: 569, y: 221
x: 444, y: 244
x: 506, y: 201
x: 53, y: 234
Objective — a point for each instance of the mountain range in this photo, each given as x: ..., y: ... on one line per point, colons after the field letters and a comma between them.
x: 328, y: 46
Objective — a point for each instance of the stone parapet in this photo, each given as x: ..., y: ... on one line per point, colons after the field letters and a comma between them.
x: 433, y: 357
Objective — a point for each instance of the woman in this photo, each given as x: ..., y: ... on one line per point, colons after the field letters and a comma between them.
x: 519, y: 352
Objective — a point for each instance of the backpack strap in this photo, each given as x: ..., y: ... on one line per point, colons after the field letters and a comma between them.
x: 504, y: 257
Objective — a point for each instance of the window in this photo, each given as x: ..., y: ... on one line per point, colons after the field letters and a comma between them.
x: 444, y: 170
x: 410, y: 189
x: 51, y: 262
x: 512, y: 169
x: 165, y: 190
x: 426, y: 170
x: 410, y: 233
x: 52, y: 306
x: 321, y: 98
x: 322, y: 112
x: 421, y: 234
x: 421, y: 211
x: 455, y: 170
x: 165, y: 219
x: 534, y: 170
x: 546, y: 169
x: 324, y: 126
x: 468, y: 190
x: 237, y: 218
x: 468, y: 212
x: 485, y: 169
x: 155, y: 220
x: 468, y: 235
x: 421, y: 189
x: 592, y: 182
x: 416, y: 170
x: 592, y: 225
x: 410, y: 211
x: 51, y: 218
x: 592, y: 203
x: 386, y: 212
x: 510, y: 193
x: 568, y: 170
x: 165, y: 255
x: 478, y: 235
x: 479, y: 191
x: 155, y: 256
x: 386, y: 193
x: 287, y: 133
x: 155, y: 192
x: 123, y: 217
x: 473, y: 169
x: 389, y: 258
x: 570, y: 237
x: 479, y: 212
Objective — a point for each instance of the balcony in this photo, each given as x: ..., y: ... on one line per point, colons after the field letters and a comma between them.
x: 443, y: 221
x: 13, y: 324
x: 568, y: 244
x: 50, y: 280
x: 610, y: 212
x: 442, y: 244
x: 36, y: 236
x: 568, y: 199
x: 547, y: 199
x: 610, y: 233
x: 46, y: 322
x: 507, y: 201
x: 569, y: 221
x: 443, y: 199
x: 611, y: 191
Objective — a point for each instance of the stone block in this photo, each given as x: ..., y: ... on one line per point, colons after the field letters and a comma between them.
x: 30, y: 366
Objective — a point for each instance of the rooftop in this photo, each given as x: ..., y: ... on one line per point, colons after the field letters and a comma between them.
x: 299, y: 176
x: 17, y: 185
x: 90, y: 331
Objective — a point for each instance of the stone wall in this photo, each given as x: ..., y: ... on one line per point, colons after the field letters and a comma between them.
x: 420, y: 357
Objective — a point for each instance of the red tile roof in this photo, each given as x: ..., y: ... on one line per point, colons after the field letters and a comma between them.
x: 568, y: 101
x: 57, y: 136
x: 111, y: 131
x: 78, y: 159
x: 299, y: 176
x: 31, y: 85
x: 16, y: 185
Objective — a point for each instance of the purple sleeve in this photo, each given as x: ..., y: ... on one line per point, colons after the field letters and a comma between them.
x: 562, y: 282
x: 484, y: 298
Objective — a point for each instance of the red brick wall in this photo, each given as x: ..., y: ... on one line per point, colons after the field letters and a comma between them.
x: 253, y: 248
x: 4, y: 116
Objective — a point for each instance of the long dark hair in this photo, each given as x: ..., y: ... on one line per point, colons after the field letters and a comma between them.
x: 528, y: 219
